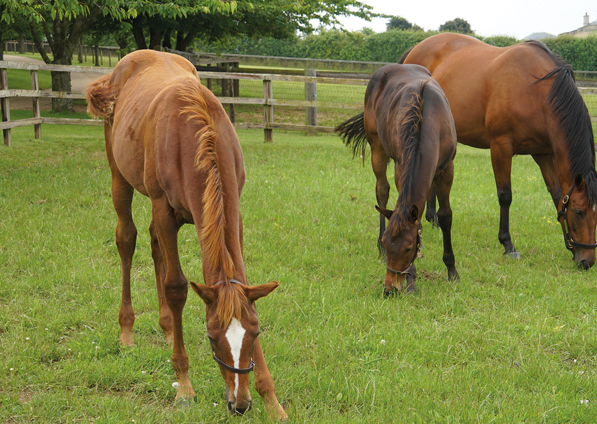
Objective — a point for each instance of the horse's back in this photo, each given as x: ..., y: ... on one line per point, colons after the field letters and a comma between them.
x: 488, y: 86
x: 159, y: 111
x: 392, y: 93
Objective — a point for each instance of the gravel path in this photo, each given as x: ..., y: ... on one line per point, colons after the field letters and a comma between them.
x: 79, y: 82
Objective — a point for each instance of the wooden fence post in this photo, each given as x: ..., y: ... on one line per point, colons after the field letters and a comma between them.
x: 4, y: 105
x: 268, y: 110
x: 311, y: 94
x: 232, y: 94
x: 36, y: 113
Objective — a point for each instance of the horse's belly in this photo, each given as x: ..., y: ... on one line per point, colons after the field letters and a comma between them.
x: 130, y: 161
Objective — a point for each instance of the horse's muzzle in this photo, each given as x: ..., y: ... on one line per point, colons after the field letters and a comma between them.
x: 585, y: 264
x: 240, y: 411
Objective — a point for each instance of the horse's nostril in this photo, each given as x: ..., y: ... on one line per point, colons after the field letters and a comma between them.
x: 239, y: 411
x: 584, y: 264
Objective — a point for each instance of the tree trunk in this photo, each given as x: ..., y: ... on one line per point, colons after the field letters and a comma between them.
x: 155, y: 39
x: 167, y: 43
x: 96, y: 51
x: 81, y: 51
x: 21, y: 42
x: 138, y: 33
x: 183, y: 42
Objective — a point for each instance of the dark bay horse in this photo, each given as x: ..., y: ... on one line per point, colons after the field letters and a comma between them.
x: 521, y: 100
x: 169, y: 138
x: 407, y: 119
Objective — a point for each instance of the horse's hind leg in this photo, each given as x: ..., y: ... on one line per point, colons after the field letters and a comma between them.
x: 165, y: 319
x: 126, y: 239
x: 443, y: 185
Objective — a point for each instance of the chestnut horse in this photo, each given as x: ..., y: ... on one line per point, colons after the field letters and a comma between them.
x: 407, y: 118
x: 169, y: 138
x: 521, y: 100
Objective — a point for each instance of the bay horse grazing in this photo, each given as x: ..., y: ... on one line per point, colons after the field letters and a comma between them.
x: 169, y: 138
x: 521, y: 100
x: 407, y: 118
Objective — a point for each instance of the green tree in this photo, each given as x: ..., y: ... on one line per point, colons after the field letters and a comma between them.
x: 62, y: 23
x: 456, y: 25
x: 398, y: 22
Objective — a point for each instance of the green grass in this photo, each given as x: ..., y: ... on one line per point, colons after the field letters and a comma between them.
x: 514, y: 341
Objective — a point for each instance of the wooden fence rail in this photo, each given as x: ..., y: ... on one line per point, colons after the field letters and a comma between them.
x: 267, y: 101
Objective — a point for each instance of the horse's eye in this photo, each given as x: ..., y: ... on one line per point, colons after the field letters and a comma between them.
x: 580, y: 213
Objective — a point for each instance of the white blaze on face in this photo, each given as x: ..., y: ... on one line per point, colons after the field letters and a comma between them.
x: 235, y: 335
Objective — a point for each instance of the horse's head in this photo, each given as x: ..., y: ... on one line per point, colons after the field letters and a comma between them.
x: 232, y: 329
x: 402, y: 242
x: 578, y: 218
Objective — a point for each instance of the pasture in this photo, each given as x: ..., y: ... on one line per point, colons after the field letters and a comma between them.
x: 514, y: 341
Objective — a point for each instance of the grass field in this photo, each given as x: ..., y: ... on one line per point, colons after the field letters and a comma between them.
x: 514, y: 341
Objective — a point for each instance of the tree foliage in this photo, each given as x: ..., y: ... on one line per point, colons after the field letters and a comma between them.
x: 62, y: 23
x: 456, y: 25
x: 398, y: 22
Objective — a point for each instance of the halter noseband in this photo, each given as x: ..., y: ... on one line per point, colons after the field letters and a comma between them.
x: 417, y: 255
x: 224, y: 364
x: 567, y: 236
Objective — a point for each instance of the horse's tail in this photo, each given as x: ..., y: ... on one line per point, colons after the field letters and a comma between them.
x: 206, y: 160
x: 403, y: 57
x: 101, y: 98
x: 353, y: 134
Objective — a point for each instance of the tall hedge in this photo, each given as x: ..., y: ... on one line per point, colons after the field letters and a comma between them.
x: 387, y: 46
x: 580, y: 53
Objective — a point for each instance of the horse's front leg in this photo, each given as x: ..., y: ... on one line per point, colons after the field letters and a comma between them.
x: 443, y: 185
x: 175, y: 289
x: 501, y: 160
x: 379, y: 163
x: 264, y: 384
x: 550, y: 176
x: 430, y: 210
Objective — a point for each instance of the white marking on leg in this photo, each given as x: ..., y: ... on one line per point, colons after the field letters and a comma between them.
x: 235, y: 336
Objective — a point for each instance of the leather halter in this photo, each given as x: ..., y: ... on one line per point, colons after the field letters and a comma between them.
x: 222, y: 363
x: 567, y: 236
x: 417, y: 255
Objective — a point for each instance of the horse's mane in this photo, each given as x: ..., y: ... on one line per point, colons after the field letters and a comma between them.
x: 410, y: 121
x: 231, y: 297
x: 568, y: 106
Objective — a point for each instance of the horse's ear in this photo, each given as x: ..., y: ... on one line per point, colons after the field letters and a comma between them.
x: 413, y: 214
x: 579, y: 182
x: 208, y: 294
x: 385, y: 212
x: 262, y: 290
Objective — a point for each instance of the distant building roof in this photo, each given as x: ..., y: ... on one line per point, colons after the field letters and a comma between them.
x: 539, y: 36
x: 585, y: 30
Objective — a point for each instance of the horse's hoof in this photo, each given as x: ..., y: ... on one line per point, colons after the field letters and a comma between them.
x: 390, y: 293
x: 182, y: 403
x: 513, y: 254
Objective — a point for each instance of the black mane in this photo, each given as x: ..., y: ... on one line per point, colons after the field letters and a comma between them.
x: 409, y: 123
x: 569, y: 107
